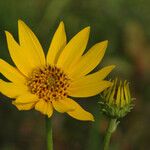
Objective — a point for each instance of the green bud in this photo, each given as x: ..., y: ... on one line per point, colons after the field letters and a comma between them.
x: 117, y: 101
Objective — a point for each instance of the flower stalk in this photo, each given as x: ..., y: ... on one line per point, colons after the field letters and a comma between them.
x: 111, y: 128
x: 49, y: 136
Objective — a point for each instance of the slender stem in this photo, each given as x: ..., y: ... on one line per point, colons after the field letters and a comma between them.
x: 111, y: 128
x: 49, y: 138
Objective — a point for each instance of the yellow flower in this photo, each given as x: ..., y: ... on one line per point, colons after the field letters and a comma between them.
x: 49, y: 83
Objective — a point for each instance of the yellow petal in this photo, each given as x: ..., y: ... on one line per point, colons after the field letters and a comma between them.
x: 27, y: 106
x: 44, y: 107
x: 26, y: 98
x: 99, y: 75
x: 125, y: 90
x: 118, y: 99
x: 122, y: 97
x: 87, y: 87
x: 79, y: 113
x: 17, y: 55
x: 57, y: 44
x: 63, y: 105
x: 92, y: 84
x: 49, y: 109
x: 12, y: 90
x: 93, y: 57
x: 74, y: 49
x: 112, y: 92
x: 11, y: 73
x: 128, y: 92
x: 31, y: 47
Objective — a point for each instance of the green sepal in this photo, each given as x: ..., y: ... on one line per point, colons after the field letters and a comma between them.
x: 113, y: 111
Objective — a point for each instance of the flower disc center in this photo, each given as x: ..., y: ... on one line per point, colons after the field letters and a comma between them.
x: 49, y: 83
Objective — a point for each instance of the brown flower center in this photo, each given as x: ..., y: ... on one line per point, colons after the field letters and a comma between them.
x: 48, y: 83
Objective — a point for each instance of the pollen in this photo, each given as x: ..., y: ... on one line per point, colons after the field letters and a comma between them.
x: 49, y: 83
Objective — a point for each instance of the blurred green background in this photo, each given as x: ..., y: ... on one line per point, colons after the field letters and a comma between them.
x: 126, y: 24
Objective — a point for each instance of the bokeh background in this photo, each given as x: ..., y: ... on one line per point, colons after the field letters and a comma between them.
x: 126, y: 24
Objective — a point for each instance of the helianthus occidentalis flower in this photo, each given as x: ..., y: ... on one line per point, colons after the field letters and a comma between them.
x: 49, y: 83
x: 117, y: 101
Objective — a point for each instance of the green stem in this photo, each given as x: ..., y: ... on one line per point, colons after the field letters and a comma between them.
x: 111, y: 128
x: 49, y: 138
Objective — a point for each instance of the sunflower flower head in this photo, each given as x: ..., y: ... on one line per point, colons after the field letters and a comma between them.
x: 117, y: 101
x: 51, y: 82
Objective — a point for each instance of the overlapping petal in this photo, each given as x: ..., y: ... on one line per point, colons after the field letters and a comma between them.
x: 92, y: 84
x: 87, y: 90
x: 26, y: 106
x: 31, y: 47
x: 44, y: 107
x: 11, y: 73
x: 18, y: 56
x: 12, y: 90
x: 63, y: 105
x: 57, y: 44
x: 89, y: 60
x: 26, y: 101
x: 74, y: 49
x: 26, y: 98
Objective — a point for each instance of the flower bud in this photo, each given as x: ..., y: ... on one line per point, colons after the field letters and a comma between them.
x: 117, y: 101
